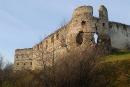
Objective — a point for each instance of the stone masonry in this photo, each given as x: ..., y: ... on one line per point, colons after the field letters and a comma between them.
x: 75, y: 36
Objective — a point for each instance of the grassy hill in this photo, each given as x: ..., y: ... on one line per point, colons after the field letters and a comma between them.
x: 115, y: 68
x: 117, y: 56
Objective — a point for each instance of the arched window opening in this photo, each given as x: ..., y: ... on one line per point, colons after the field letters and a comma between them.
x: 95, y: 37
x: 79, y: 38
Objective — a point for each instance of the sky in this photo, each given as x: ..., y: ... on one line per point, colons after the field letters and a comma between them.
x: 23, y: 23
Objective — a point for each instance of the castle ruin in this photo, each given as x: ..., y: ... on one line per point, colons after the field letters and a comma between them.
x: 75, y: 36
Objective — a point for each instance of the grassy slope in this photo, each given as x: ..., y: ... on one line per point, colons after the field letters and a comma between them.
x: 117, y: 56
x: 116, y: 69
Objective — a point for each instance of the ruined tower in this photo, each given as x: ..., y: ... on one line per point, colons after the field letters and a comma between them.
x: 103, y: 19
x: 84, y: 25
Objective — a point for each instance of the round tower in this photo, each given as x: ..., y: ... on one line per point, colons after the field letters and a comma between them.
x: 80, y: 24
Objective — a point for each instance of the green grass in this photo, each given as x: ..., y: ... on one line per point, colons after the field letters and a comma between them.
x: 117, y: 56
x: 116, y: 68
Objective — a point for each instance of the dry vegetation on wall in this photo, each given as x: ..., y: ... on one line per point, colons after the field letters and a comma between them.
x: 71, y: 71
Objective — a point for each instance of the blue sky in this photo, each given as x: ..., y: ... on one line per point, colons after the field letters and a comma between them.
x: 24, y: 23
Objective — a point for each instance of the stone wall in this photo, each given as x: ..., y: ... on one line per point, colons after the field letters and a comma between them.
x: 120, y: 35
x: 23, y: 59
x: 76, y: 37
x: 49, y: 48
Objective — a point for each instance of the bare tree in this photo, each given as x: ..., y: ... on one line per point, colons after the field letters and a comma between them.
x: 8, y: 67
x: 1, y: 62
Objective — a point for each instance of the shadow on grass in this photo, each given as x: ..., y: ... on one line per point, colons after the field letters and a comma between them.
x: 120, y: 52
